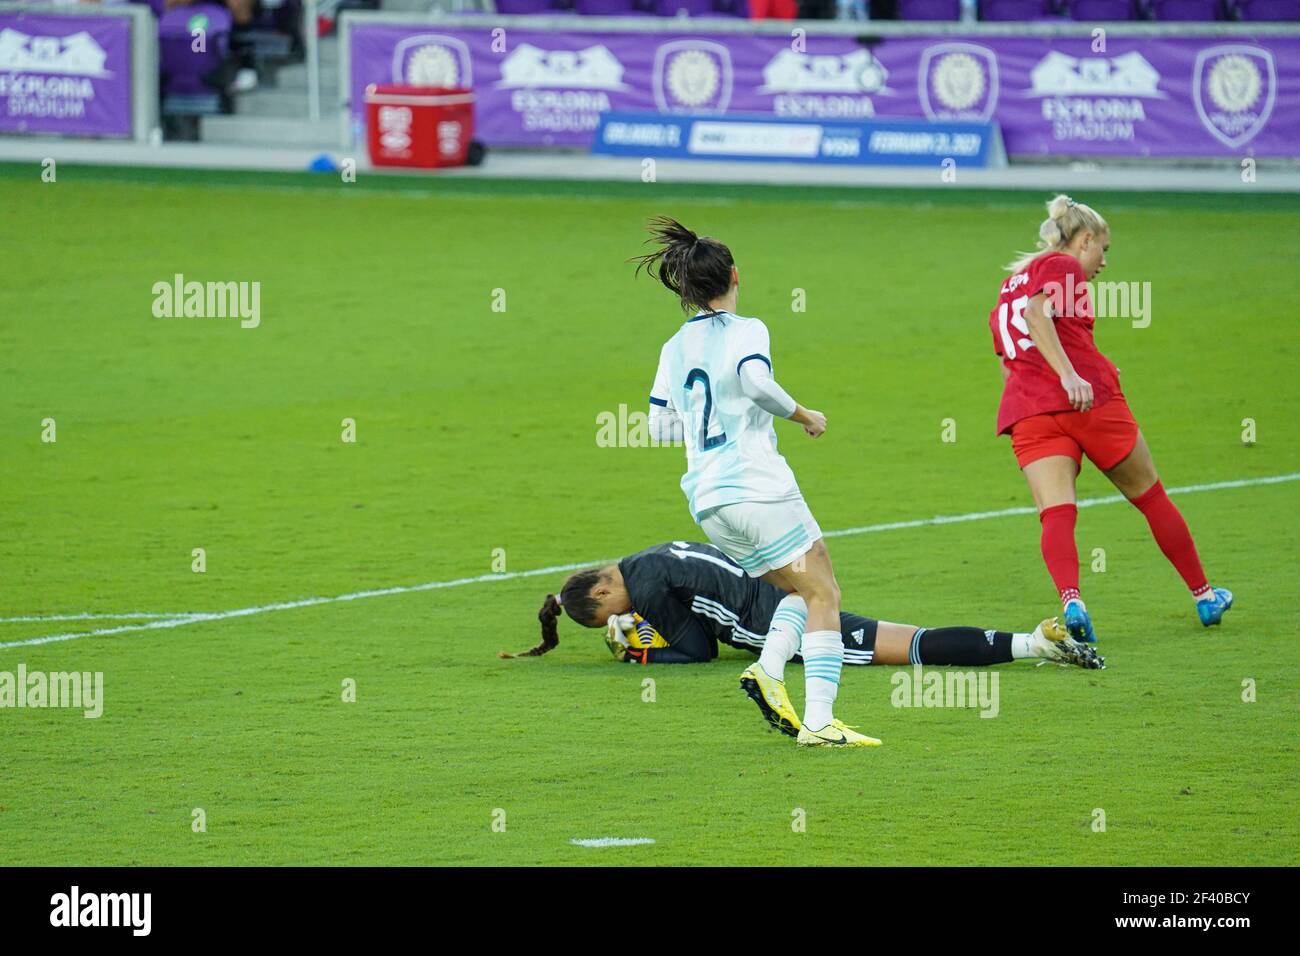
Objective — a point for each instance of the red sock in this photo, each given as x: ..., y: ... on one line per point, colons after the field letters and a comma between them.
x: 1059, y: 552
x: 1170, y: 532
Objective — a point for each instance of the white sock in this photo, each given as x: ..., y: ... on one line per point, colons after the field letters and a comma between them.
x: 1022, y: 646
x: 783, y: 635
x: 823, y: 656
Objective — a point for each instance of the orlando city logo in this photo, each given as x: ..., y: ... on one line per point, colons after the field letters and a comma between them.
x: 432, y: 59
x: 692, y: 76
x: 958, y: 81
x: 1234, y: 86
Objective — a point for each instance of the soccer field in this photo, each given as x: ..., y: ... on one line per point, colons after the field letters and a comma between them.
x: 476, y: 449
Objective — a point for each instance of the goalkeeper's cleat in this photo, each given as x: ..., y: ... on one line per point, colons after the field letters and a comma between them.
x: 1078, y: 623
x: 835, y: 734
x: 1211, y: 609
x: 1052, y: 642
x: 770, y: 696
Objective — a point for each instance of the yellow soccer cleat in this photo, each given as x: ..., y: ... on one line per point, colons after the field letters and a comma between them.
x: 1051, y: 641
x: 835, y: 734
x: 1052, y: 629
x: 770, y: 696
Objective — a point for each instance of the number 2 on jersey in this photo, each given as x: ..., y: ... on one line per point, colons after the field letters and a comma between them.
x: 699, y: 375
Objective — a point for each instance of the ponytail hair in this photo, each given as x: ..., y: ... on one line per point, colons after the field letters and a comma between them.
x: 575, y: 596
x: 548, y: 615
x: 1065, y: 219
x: 697, y: 269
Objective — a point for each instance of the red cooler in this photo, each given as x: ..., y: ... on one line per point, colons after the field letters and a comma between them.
x: 423, y: 126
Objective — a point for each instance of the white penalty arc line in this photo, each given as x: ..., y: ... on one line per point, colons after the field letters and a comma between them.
x: 166, y: 622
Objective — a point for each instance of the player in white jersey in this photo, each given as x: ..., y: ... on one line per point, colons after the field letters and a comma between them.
x: 714, y: 390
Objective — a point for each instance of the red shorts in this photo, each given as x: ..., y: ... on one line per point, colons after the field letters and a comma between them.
x: 1105, y: 433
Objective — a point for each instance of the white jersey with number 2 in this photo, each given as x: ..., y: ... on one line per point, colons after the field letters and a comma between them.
x: 731, y: 451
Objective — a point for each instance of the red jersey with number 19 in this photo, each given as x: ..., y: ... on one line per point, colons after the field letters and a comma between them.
x: 1032, y: 388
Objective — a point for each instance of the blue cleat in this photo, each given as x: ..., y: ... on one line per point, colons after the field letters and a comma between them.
x: 1078, y: 623
x: 1211, y: 610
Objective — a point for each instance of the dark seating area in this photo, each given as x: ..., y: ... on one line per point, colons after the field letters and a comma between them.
x: 628, y: 8
x: 236, y: 57
x: 196, y: 82
x: 1104, y: 11
x: 1090, y: 11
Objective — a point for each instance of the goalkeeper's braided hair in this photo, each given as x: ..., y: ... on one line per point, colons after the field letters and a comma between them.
x: 548, y: 615
x: 697, y: 269
x: 576, y: 597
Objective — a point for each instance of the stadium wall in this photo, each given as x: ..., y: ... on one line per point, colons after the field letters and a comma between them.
x: 80, y: 71
x: 1123, y: 90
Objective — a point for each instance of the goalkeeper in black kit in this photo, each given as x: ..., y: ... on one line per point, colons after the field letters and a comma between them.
x: 673, y: 603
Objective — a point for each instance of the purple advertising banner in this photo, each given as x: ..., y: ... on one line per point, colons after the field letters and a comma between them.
x: 65, y: 74
x: 1142, y: 96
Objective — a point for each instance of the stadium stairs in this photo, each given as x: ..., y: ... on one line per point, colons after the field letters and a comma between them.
x: 275, y: 114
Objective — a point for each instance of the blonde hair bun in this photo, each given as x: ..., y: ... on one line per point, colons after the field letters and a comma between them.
x: 1059, y: 206
x: 1065, y: 217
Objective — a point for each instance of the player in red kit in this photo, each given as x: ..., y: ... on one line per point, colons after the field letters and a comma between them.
x: 1062, y: 400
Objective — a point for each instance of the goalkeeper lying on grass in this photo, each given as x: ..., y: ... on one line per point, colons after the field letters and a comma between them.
x: 673, y: 603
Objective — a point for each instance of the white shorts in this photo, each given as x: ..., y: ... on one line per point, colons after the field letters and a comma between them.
x: 761, y: 535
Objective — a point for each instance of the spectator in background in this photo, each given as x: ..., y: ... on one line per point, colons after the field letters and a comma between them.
x: 241, y: 11
x: 830, y: 9
x: 775, y: 9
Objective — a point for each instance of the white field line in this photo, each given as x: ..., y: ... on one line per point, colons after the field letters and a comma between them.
x: 164, y: 622
x: 198, y: 616
x: 142, y: 616
x: 1083, y: 503
x: 613, y: 841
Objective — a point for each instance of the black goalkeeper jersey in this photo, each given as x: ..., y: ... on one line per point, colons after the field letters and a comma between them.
x: 695, y: 596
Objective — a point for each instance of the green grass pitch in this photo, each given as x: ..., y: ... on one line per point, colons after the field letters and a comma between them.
x: 476, y: 431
